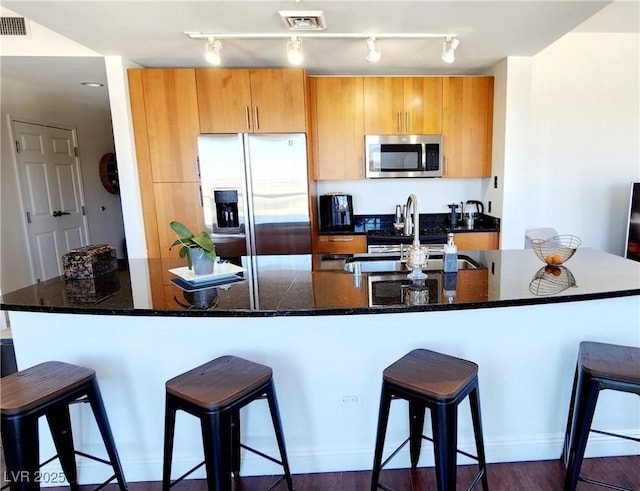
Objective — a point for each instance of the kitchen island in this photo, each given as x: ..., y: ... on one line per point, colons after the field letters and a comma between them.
x: 327, y: 340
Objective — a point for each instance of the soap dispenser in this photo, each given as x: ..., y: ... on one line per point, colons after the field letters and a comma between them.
x: 450, y: 263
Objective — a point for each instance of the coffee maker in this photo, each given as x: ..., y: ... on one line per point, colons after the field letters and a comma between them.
x: 226, y: 202
x: 336, y: 213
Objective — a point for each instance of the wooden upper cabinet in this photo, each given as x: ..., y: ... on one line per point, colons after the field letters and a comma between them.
x: 383, y: 105
x: 252, y: 100
x: 171, y: 111
x: 423, y: 105
x: 467, y: 126
x: 402, y: 105
x: 338, y: 127
x: 224, y: 100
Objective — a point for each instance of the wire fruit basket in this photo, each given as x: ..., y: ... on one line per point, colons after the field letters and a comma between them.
x: 556, y: 250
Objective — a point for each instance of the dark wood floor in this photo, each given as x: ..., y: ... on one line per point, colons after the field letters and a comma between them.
x: 521, y: 476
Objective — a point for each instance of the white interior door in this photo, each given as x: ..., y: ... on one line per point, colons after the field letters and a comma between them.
x: 49, y: 174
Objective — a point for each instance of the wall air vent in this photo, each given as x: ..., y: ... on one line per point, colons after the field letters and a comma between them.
x: 303, y: 20
x: 13, y: 26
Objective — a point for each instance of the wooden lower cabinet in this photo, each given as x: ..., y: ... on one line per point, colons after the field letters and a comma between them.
x: 179, y: 201
x: 338, y: 290
x: 477, y: 241
x: 340, y: 244
x: 472, y: 286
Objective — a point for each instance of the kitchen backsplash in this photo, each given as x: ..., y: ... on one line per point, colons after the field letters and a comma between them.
x: 373, y: 196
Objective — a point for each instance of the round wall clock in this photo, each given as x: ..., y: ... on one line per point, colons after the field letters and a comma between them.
x: 109, y: 173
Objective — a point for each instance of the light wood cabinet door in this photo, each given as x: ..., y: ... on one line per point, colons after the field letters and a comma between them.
x: 171, y: 110
x: 341, y: 244
x: 403, y: 105
x: 181, y: 202
x: 422, y: 98
x: 279, y: 100
x: 477, y: 241
x: 339, y: 290
x: 338, y: 127
x: 383, y: 105
x: 224, y: 100
x: 261, y: 100
x: 467, y: 126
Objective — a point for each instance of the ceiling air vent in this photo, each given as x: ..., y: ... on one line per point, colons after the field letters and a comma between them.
x: 303, y: 20
x: 13, y: 26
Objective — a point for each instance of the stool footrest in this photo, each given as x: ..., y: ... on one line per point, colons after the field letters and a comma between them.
x: 193, y: 469
x: 261, y: 454
x: 617, y: 435
x: 603, y: 484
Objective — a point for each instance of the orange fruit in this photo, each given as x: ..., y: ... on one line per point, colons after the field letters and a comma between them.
x: 557, y: 259
x: 549, y: 259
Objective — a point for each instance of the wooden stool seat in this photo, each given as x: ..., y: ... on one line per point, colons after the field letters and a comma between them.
x: 235, y: 378
x: 432, y: 374
x: 427, y: 379
x: 600, y: 366
x: 47, y: 390
x: 40, y: 385
x: 215, y: 392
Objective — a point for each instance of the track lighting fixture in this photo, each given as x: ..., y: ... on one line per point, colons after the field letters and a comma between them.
x: 294, y: 51
x: 294, y: 43
x: 212, y: 51
x: 373, y: 50
x: 449, y: 46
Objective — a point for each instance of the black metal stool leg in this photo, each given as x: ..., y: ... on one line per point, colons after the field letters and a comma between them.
x: 476, y: 416
x: 60, y: 425
x: 416, y: 427
x: 277, y: 426
x: 100, y: 414
x: 216, y: 439
x: 587, y: 392
x: 444, y: 419
x: 383, y: 416
x: 22, y: 456
x: 169, y: 431
x: 567, y: 434
x: 235, y: 443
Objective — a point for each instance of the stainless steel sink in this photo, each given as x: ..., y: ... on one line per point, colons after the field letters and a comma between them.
x: 385, y: 263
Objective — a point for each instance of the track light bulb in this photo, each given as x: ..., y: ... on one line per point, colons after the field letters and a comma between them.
x: 212, y: 52
x: 449, y: 46
x: 294, y: 51
x: 373, y: 50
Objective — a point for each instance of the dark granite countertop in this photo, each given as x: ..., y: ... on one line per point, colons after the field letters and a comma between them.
x: 318, y: 285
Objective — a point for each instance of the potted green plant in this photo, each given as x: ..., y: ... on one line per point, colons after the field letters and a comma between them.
x: 199, y: 250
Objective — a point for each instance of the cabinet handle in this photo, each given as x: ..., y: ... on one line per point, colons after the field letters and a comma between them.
x: 446, y: 165
x: 345, y: 239
x: 247, y: 117
x: 408, y: 122
x: 399, y: 121
x: 255, y: 118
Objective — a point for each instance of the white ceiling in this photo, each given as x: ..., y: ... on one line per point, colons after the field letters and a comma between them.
x: 151, y: 33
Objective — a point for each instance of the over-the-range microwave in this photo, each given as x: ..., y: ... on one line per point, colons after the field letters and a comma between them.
x: 403, y: 156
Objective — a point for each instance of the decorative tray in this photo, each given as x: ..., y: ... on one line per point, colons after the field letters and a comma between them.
x: 205, y: 285
x: 220, y: 271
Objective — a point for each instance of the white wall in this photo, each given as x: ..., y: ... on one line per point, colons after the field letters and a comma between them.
x: 586, y: 132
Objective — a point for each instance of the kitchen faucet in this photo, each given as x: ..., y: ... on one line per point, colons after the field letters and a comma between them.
x: 412, y: 228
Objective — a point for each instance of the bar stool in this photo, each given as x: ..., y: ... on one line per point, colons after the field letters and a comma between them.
x: 427, y: 379
x: 600, y: 366
x: 47, y: 390
x: 215, y: 392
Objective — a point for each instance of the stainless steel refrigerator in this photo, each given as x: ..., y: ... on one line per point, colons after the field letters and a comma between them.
x: 255, y: 193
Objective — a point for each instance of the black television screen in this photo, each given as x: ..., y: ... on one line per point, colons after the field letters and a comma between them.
x: 633, y: 230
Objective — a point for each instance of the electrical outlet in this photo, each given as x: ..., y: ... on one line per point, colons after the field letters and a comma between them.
x: 350, y: 400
